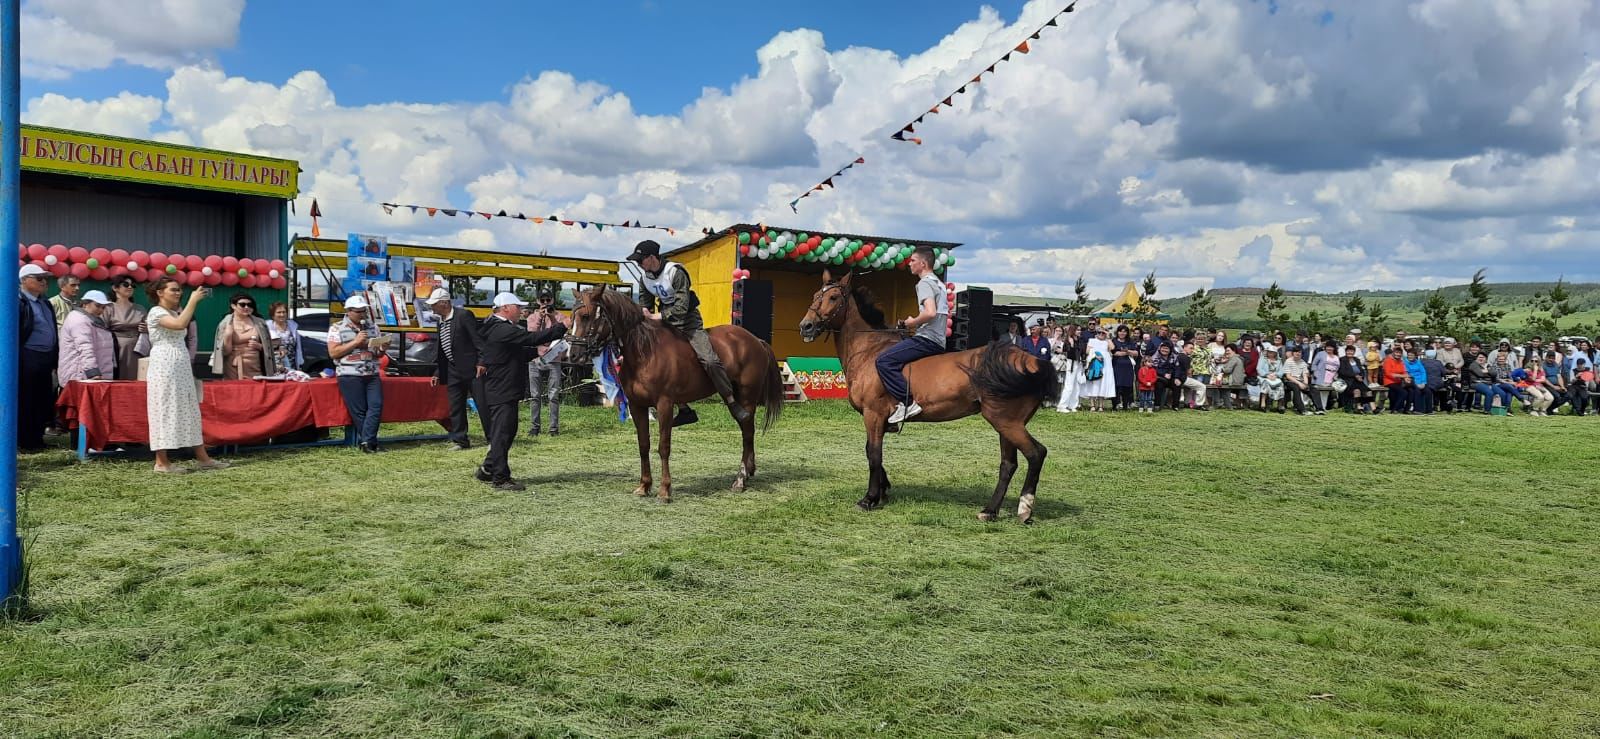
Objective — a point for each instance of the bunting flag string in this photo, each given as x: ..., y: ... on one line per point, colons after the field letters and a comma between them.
x: 794, y: 205
x: 904, y: 132
x: 434, y: 211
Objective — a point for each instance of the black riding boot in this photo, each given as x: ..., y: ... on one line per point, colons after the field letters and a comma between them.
x: 719, y: 380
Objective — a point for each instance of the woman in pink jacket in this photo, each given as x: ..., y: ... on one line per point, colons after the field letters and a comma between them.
x: 88, y: 350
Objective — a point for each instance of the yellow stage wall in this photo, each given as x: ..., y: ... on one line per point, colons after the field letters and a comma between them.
x: 711, y: 270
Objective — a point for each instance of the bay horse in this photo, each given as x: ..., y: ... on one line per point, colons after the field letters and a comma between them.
x: 659, y: 370
x: 1001, y: 381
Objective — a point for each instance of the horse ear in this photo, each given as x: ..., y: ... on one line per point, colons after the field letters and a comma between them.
x: 845, y: 280
x: 827, y: 276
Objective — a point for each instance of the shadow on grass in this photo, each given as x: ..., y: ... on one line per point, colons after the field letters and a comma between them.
x: 976, y: 498
x: 770, y: 478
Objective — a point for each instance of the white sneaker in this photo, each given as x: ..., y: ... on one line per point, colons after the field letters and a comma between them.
x: 903, y: 412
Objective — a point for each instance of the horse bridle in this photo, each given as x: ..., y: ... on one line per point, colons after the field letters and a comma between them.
x: 842, y: 306
x: 611, y: 331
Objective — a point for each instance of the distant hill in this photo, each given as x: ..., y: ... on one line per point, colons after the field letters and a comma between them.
x: 1236, y: 306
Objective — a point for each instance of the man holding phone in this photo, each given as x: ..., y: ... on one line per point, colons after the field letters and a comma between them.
x: 354, y: 345
x: 544, y: 372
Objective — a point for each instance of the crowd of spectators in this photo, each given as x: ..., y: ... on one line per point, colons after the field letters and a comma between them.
x: 1124, y: 368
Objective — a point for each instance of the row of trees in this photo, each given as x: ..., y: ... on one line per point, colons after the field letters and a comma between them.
x: 1471, y: 317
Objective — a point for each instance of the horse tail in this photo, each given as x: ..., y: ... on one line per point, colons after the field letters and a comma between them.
x: 1006, y: 371
x: 773, y: 400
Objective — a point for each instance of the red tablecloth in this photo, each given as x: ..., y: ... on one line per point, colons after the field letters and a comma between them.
x: 242, y: 411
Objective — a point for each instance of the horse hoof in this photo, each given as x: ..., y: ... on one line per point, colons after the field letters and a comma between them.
x: 1026, y: 521
x: 663, y: 499
x: 641, y: 491
x: 867, y: 505
x: 985, y: 516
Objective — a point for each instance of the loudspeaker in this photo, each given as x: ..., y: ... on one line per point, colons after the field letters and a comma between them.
x: 753, y: 306
x: 974, y: 309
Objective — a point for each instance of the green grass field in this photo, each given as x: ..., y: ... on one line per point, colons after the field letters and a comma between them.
x: 1220, y: 574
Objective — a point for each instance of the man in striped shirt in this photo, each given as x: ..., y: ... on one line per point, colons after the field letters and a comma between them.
x: 457, y: 363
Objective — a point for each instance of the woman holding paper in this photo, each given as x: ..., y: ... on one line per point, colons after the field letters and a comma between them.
x: 354, y: 345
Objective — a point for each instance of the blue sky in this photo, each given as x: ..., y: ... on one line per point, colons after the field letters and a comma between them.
x: 661, y: 52
x: 1321, y: 144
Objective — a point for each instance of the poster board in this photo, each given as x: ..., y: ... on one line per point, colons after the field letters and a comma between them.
x: 367, y: 262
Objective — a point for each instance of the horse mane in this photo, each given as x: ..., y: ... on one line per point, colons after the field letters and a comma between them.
x: 867, y: 306
x: 628, y: 322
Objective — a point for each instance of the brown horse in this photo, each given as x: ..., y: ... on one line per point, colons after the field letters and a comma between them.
x: 1000, y: 381
x: 659, y: 370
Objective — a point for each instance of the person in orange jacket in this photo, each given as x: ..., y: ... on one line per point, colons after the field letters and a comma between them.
x: 1402, y: 392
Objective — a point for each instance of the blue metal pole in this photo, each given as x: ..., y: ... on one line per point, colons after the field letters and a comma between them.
x: 10, y: 212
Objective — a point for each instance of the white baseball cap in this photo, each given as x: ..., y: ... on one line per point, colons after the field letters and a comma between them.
x: 29, y: 270
x: 505, y: 299
x: 357, y: 301
x: 439, y: 295
x: 95, y: 296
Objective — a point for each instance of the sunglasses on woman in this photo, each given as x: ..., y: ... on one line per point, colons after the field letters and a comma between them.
x: 244, y: 304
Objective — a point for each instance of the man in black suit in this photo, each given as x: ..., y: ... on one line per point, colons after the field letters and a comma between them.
x: 504, y: 350
x: 457, y: 361
x: 38, y: 344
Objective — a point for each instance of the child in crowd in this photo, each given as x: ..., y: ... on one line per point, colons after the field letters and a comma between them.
x: 1147, y: 386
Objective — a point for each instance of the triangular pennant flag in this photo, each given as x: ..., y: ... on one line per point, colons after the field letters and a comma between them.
x: 1051, y: 22
x: 448, y: 212
x: 387, y: 209
x: 1070, y: 6
x: 583, y: 224
x: 934, y: 110
x: 1006, y: 58
x: 828, y: 182
x: 861, y: 160
x: 521, y: 217
x: 990, y: 70
x: 962, y: 90
x: 432, y: 211
x: 671, y: 232
x: 899, y: 135
x: 976, y: 79
x: 413, y: 208
x: 1022, y: 48
x: 486, y: 216
x: 945, y: 102
x: 502, y: 214
x: 918, y: 142
x: 794, y: 205
x: 597, y: 226
x: 536, y: 219
x: 1035, y: 36
x: 566, y: 223
x: 316, y: 210
x: 920, y: 117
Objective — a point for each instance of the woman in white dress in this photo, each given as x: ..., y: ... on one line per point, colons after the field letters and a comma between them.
x: 1070, y: 357
x: 1098, y: 389
x: 172, y: 401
